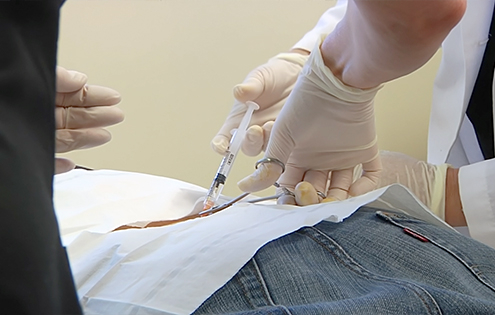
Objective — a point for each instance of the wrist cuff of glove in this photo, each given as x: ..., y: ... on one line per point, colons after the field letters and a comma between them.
x: 294, y: 58
x: 328, y: 82
x: 437, y: 205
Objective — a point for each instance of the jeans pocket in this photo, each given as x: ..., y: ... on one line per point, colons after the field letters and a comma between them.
x: 349, y: 270
x: 476, y: 257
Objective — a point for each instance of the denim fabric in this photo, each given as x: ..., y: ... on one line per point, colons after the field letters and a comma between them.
x: 366, y: 265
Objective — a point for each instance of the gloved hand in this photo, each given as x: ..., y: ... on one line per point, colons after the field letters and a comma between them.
x: 81, y: 113
x: 268, y: 85
x: 426, y: 181
x: 325, y: 126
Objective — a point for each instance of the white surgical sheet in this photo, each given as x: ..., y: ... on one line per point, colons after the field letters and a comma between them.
x: 173, y: 269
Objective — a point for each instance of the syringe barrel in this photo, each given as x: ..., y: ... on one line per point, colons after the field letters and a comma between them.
x: 238, y: 137
x: 229, y: 158
x: 214, y: 192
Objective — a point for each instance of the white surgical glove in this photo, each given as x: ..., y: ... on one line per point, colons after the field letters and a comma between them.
x: 325, y: 126
x: 268, y: 85
x: 426, y: 181
x: 81, y: 113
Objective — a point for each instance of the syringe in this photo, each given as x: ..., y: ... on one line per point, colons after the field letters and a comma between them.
x: 228, y: 160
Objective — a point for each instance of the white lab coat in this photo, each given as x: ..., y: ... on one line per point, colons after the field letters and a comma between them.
x: 451, y: 136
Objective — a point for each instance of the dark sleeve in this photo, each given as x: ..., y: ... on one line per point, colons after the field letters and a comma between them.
x: 35, y: 277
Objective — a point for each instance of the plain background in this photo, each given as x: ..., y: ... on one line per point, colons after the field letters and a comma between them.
x: 175, y: 63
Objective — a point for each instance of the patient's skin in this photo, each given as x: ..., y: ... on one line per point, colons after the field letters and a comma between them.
x: 453, y: 205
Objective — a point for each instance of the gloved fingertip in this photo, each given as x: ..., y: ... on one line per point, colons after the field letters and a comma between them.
x: 118, y: 115
x: 306, y: 194
x: 220, y: 144
x: 265, y: 176
x: 250, y: 184
x: 287, y: 200
x: 79, y: 77
x: 114, y: 98
x: 254, y: 133
x: 102, y: 135
x: 63, y: 165
x: 96, y: 95
x: 253, y: 141
x: 240, y: 92
x: 69, y: 81
x: 248, y: 91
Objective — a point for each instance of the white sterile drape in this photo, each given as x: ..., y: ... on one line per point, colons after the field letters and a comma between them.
x: 173, y: 269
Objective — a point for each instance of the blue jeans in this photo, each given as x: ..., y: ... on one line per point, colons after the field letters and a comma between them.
x: 375, y: 262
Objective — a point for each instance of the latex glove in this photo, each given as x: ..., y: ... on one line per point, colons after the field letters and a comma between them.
x: 426, y: 181
x: 324, y: 127
x: 82, y: 111
x: 268, y: 85
x: 63, y: 165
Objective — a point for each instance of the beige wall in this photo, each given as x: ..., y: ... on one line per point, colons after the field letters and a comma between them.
x: 175, y: 63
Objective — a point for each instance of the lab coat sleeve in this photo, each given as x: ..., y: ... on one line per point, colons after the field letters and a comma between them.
x: 477, y: 190
x: 326, y: 24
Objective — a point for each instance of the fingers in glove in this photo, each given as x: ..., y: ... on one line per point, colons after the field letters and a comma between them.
x: 253, y: 141
x: 279, y: 148
x: 87, y: 117
x: 250, y: 89
x: 268, y: 86
x: 287, y: 196
x: 291, y: 177
x: 288, y: 180
x: 221, y: 141
x: 262, y: 178
x: 63, y: 165
x: 69, y: 81
x: 319, y: 179
x: 257, y: 139
x: 269, y: 83
x: 267, y: 130
x: 307, y: 191
x: 220, y: 144
x: 305, y: 185
x: 369, y: 179
x: 88, y: 95
x: 287, y: 200
x: 340, y: 182
x: 306, y: 194
x: 68, y: 140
